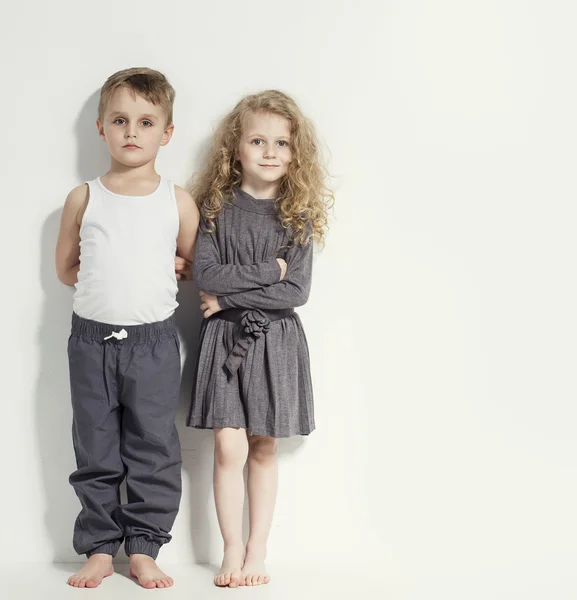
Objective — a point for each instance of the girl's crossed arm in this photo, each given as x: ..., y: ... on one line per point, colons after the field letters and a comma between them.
x: 291, y: 292
x: 219, y: 279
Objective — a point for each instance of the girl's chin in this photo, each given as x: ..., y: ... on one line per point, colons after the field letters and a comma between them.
x: 269, y: 177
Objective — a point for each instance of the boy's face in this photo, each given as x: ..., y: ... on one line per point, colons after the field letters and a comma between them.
x: 133, y: 128
x: 264, y: 149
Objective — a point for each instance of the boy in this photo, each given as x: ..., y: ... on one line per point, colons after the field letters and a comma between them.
x: 117, y: 244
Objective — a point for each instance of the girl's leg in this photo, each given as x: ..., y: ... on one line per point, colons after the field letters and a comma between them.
x: 230, y: 453
x: 262, y: 489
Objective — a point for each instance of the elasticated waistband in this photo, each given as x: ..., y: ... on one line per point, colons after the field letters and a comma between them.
x: 106, y: 331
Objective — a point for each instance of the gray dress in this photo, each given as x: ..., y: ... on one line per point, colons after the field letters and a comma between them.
x: 271, y: 392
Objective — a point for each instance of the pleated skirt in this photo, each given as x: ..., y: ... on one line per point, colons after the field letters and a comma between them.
x: 271, y: 394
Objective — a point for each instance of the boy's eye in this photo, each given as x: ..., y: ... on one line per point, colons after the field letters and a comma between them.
x: 119, y: 121
x: 147, y: 123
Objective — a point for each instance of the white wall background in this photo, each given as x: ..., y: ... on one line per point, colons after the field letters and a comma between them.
x: 442, y: 320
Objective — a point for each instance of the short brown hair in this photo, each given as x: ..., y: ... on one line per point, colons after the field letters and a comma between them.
x: 147, y: 83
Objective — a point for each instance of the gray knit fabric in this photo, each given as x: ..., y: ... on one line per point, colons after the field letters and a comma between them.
x: 271, y: 393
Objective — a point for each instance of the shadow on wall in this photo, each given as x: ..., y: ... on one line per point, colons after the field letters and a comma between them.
x: 197, y: 445
x: 53, y: 410
x: 92, y: 158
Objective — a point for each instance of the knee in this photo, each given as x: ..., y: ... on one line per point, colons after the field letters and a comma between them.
x: 262, y: 449
x: 229, y: 454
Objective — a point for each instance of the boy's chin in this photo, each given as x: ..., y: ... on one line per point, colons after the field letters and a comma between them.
x: 128, y: 161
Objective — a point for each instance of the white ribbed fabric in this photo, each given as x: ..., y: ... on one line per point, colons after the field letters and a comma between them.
x: 127, y: 249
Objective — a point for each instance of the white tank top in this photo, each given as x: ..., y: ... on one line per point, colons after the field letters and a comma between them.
x: 127, y: 249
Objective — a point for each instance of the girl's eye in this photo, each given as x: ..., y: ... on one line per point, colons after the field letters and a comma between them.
x: 257, y: 142
x: 282, y: 143
x: 147, y: 123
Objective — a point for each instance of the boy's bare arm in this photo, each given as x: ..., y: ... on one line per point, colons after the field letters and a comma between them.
x: 189, y: 218
x: 68, y: 245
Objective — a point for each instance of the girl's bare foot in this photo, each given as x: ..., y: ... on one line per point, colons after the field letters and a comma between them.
x: 254, y: 571
x: 96, y: 568
x: 230, y: 574
x: 145, y: 569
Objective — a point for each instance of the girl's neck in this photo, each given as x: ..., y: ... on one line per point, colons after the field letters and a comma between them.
x: 260, y: 190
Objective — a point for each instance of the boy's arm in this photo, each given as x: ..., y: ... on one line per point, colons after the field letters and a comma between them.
x: 189, y: 217
x: 68, y: 244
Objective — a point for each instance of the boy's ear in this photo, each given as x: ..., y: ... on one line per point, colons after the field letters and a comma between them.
x: 100, y: 128
x: 167, y: 134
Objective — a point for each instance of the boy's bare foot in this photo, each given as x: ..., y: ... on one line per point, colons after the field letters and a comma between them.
x: 96, y: 568
x: 145, y: 569
x: 230, y: 574
x: 254, y: 571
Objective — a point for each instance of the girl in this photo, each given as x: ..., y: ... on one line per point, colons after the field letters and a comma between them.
x: 263, y: 203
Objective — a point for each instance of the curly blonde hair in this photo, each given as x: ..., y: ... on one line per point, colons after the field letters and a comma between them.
x: 303, y: 200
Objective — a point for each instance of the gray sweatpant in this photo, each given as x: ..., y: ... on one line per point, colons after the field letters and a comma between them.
x: 125, y: 392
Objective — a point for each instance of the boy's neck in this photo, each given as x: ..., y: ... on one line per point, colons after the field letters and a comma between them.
x: 128, y: 180
x: 128, y: 173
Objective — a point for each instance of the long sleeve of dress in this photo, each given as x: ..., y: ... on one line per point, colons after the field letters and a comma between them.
x: 215, y: 278
x: 291, y: 292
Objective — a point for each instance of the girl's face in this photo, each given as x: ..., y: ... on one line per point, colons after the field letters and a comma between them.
x: 265, y: 148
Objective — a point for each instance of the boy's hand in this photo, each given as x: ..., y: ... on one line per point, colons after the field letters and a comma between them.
x: 183, y: 268
x: 209, y: 304
x: 283, y: 267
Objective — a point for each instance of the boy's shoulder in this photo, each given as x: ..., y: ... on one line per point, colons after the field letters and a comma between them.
x: 77, y: 200
x: 79, y: 194
x: 78, y: 197
x: 184, y: 201
x: 181, y: 194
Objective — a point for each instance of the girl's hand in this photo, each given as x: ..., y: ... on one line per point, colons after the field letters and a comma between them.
x: 209, y: 304
x: 283, y: 266
x: 183, y: 268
